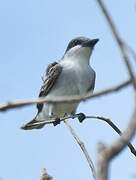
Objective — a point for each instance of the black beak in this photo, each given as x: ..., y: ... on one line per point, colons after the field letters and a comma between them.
x: 90, y: 43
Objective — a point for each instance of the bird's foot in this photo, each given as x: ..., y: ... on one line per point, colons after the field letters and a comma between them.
x: 56, y: 119
x: 73, y: 115
x: 81, y: 117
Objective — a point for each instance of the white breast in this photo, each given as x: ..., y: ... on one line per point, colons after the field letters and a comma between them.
x: 75, y: 79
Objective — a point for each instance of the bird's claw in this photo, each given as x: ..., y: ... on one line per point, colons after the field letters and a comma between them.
x: 81, y: 117
x: 57, y: 121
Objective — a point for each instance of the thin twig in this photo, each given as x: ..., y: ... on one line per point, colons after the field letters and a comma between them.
x: 43, y: 122
x: 107, y: 120
x: 131, y: 50
x: 132, y: 149
x: 119, y: 41
x: 116, y: 147
x: 21, y: 103
x: 107, y: 153
x: 126, y: 136
x: 81, y: 144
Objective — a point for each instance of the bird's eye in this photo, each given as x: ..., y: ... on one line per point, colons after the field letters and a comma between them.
x: 73, y: 43
x: 77, y: 42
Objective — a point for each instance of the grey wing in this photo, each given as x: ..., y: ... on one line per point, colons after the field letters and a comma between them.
x: 52, y: 73
x: 92, y: 85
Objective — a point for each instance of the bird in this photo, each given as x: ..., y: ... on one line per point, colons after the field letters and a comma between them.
x: 71, y: 75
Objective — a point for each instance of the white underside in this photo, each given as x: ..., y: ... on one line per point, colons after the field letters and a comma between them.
x: 75, y: 79
x: 59, y: 110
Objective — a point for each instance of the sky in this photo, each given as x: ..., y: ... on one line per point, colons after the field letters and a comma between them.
x: 33, y: 33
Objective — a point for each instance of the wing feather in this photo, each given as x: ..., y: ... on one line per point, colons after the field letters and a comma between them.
x: 52, y: 73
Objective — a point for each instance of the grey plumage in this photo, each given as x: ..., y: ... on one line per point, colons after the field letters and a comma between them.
x: 72, y: 75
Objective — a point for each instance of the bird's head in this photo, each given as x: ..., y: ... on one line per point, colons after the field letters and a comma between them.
x: 80, y: 48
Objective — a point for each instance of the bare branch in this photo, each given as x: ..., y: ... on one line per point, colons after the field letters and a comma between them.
x: 105, y: 154
x: 74, y: 135
x: 102, y: 165
x: 46, y: 122
x: 19, y: 103
x: 126, y: 136
x: 132, y: 149
x: 44, y: 175
x: 116, y: 147
x: 81, y: 144
x: 131, y: 50
x: 119, y: 41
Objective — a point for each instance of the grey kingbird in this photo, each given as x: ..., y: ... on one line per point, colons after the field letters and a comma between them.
x: 70, y: 76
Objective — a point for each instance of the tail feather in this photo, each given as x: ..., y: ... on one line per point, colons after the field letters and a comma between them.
x: 32, y: 125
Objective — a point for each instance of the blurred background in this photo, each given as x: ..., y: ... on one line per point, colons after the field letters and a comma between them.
x: 34, y: 33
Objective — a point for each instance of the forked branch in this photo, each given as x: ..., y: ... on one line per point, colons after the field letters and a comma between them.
x: 132, y: 149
